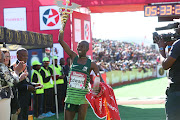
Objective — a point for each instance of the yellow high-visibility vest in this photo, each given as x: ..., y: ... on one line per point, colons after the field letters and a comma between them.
x: 58, y: 72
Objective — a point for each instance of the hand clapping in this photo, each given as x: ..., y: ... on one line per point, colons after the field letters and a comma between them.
x: 23, y: 75
x: 20, y: 67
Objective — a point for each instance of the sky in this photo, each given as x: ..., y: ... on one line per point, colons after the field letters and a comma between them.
x: 125, y: 26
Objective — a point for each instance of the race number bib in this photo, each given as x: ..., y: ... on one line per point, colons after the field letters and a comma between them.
x: 77, y: 80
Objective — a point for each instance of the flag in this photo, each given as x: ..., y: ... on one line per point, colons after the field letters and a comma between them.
x: 104, y: 104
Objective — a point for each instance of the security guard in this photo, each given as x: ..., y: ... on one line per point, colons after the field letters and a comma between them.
x: 59, y: 82
x: 38, y: 95
x: 48, y: 88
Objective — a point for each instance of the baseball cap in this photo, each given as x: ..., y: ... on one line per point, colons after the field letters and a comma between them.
x: 55, y: 57
x: 36, y: 63
x: 45, y: 59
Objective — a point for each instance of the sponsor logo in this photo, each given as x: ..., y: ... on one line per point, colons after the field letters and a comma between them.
x: 76, y: 74
x: 161, y: 71
x: 75, y: 65
x: 50, y: 17
x: 84, y: 68
x: 87, y: 32
x: 15, y: 18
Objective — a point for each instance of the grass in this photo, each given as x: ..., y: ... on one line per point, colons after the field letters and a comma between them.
x: 129, y: 112
x: 149, y: 88
x: 142, y: 112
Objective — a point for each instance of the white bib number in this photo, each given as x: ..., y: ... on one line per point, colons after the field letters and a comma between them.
x: 77, y: 80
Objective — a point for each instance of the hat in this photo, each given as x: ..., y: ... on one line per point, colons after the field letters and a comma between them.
x: 45, y: 59
x: 36, y: 63
x: 55, y: 57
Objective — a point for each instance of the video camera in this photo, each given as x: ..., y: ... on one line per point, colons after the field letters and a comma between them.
x: 167, y: 37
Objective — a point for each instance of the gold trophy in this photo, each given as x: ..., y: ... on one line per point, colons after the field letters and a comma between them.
x: 65, y: 9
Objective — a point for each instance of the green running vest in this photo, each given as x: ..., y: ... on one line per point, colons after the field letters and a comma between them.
x: 47, y: 74
x: 78, y: 81
x: 57, y: 72
x: 40, y: 80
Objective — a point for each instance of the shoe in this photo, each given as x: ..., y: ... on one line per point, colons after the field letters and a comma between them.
x: 40, y: 117
x: 50, y: 113
x: 46, y: 115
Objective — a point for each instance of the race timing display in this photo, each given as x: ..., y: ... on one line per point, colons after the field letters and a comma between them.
x: 162, y: 10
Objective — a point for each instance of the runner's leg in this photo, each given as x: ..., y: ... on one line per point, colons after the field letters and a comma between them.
x: 82, y: 111
x: 69, y: 115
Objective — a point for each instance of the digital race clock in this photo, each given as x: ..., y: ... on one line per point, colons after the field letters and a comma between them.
x: 162, y: 10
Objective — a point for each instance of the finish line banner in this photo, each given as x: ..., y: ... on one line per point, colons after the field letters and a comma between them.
x: 25, y: 38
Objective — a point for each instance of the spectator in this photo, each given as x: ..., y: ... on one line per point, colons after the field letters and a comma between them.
x: 39, y: 94
x: 59, y: 82
x: 62, y: 64
x: 7, y: 80
x: 25, y: 87
x: 48, y: 88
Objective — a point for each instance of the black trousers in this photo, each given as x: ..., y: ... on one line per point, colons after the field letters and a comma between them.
x: 173, y: 105
x: 38, y: 104
x: 23, y: 115
x: 60, y: 96
x: 24, y: 102
x: 64, y: 89
x: 49, y: 101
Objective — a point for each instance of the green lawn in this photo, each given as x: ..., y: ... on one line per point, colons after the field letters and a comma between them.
x: 129, y: 112
x: 142, y: 112
x: 144, y: 89
x: 148, y: 88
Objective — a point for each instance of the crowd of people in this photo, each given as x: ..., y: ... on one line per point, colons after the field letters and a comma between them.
x: 16, y: 88
x: 115, y: 55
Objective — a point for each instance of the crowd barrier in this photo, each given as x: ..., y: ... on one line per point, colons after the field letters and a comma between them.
x: 116, y: 78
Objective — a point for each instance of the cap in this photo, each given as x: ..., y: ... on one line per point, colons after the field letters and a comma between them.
x: 36, y: 63
x: 45, y: 59
x: 55, y: 57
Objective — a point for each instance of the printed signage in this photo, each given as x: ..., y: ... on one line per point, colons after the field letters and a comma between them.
x: 87, y: 31
x: 49, y: 18
x: 15, y: 18
x: 77, y: 29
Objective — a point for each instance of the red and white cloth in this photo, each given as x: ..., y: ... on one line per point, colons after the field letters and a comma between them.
x: 104, y: 104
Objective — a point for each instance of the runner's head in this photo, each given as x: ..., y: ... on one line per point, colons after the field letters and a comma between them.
x: 82, y: 48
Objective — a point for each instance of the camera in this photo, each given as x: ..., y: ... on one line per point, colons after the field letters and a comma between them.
x: 167, y: 37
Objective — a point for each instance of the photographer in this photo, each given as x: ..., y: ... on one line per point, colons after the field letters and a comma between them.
x: 171, y: 62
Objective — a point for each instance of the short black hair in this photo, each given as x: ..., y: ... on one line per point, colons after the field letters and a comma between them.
x: 20, y: 49
x: 85, y: 42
